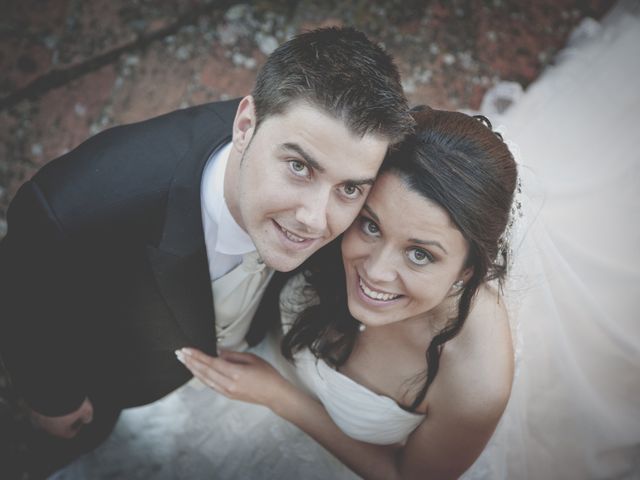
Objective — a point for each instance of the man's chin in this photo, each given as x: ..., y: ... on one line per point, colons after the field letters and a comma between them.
x: 284, y: 262
x: 282, y: 259
x: 283, y: 265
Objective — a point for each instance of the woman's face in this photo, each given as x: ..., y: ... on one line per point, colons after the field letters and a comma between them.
x: 401, y: 255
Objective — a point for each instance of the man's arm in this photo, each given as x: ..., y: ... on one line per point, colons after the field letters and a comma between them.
x: 39, y: 328
x: 64, y: 426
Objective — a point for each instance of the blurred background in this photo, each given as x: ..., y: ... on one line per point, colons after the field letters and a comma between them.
x: 71, y: 68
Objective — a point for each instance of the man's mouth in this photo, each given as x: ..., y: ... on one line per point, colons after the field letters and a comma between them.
x: 294, y: 237
x: 374, y: 294
x: 291, y: 236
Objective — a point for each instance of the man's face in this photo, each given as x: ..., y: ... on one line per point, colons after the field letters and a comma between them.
x: 298, y: 181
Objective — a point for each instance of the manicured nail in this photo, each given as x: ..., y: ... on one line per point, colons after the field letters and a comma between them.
x: 180, y: 355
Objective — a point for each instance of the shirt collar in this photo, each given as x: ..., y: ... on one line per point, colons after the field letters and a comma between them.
x: 231, y: 239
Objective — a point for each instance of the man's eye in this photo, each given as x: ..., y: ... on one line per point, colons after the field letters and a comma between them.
x: 352, y: 191
x: 419, y: 256
x: 299, y: 168
x: 369, y: 227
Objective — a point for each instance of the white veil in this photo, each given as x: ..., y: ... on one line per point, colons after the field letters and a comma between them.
x: 574, y: 412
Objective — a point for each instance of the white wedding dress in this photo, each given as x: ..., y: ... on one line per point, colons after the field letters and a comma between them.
x: 574, y: 294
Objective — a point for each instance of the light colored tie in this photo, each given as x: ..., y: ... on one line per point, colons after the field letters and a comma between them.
x: 236, y: 296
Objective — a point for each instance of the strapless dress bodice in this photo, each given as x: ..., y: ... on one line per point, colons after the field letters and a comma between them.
x: 356, y: 410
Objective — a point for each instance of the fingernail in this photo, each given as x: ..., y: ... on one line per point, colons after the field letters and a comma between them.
x: 179, y: 355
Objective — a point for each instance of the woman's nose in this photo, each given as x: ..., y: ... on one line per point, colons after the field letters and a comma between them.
x: 380, y: 266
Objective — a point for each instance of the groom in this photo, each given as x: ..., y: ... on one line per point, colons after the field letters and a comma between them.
x: 116, y: 251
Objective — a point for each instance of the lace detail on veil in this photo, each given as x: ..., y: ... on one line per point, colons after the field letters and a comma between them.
x: 295, y: 297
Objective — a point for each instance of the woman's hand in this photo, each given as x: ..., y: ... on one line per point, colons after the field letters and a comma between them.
x: 236, y: 375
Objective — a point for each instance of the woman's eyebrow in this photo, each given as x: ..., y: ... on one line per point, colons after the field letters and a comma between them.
x: 371, y: 213
x: 433, y: 243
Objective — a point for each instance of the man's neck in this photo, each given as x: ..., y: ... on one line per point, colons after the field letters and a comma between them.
x: 231, y: 175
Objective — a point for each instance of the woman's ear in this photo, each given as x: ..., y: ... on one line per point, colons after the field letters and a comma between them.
x: 467, y: 274
x: 244, y: 124
x: 462, y: 280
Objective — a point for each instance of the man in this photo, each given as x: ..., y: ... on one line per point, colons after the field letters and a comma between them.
x: 116, y: 252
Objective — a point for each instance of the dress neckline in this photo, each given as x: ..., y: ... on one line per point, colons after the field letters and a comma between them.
x: 336, y: 376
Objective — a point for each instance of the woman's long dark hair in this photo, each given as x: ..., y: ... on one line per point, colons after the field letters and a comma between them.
x: 458, y: 162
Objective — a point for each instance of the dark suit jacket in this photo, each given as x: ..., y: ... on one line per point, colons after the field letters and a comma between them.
x: 103, y: 272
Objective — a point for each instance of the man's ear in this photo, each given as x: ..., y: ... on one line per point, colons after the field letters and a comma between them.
x: 244, y: 124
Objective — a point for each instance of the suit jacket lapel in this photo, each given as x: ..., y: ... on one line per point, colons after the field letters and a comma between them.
x: 180, y: 261
x: 184, y: 283
x: 268, y: 314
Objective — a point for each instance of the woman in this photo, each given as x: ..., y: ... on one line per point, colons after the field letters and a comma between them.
x: 412, y: 378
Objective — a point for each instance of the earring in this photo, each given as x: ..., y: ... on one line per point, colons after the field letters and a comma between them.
x: 361, y: 327
x: 458, y: 285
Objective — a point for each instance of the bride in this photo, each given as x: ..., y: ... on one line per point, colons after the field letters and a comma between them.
x: 572, y: 294
x: 418, y: 389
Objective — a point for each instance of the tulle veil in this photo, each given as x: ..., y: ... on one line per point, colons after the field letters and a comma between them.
x: 574, y: 412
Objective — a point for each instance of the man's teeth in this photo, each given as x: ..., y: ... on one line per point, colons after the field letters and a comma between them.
x: 292, y: 237
x: 376, y: 295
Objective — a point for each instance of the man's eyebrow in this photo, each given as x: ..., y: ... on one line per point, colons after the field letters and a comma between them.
x: 429, y: 242
x: 313, y: 163
x: 307, y: 157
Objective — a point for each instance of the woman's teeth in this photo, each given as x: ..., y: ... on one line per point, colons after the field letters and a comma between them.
x: 376, y: 295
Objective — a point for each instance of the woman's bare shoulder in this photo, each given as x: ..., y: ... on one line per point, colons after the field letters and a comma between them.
x: 477, y: 365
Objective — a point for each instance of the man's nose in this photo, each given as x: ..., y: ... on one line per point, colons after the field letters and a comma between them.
x: 313, y: 212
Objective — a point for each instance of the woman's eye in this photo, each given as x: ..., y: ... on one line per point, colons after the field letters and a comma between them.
x: 351, y: 191
x: 369, y: 227
x: 299, y: 168
x: 419, y: 256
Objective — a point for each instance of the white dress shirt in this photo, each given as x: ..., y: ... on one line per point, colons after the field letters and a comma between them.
x: 225, y: 240
x: 238, y: 294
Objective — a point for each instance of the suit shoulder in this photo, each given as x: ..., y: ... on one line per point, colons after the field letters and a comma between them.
x: 158, y: 141
x: 127, y: 170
